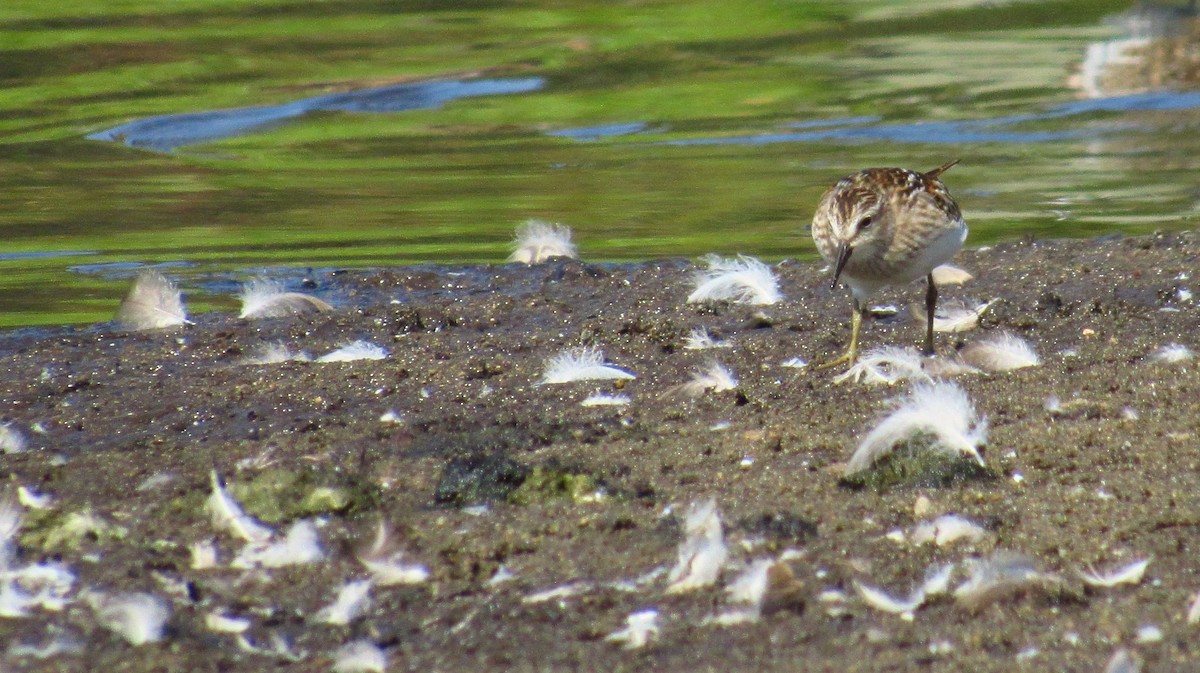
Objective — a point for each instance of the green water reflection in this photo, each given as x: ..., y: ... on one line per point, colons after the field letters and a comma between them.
x: 451, y: 184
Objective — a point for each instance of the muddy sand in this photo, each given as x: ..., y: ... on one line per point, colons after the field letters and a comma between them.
x: 504, y: 489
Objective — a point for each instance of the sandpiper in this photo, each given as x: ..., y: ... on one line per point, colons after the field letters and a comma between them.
x: 887, y: 226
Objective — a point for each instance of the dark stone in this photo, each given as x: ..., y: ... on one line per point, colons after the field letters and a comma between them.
x: 783, y: 527
x: 478, y: 479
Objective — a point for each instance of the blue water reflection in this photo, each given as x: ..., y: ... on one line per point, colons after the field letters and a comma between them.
x: 998, y: 130
x: 594, y: 133
x: 44, y: 254
x: 169, y: 132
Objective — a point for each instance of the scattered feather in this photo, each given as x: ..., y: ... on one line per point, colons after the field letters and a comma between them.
x: 1123, y: 661
x: 947, y: 274
x: 795, y: 363
x: 558, y: 593
x: 886, y: 365
x: 750, y: 587
x: 581, y: 364
x: 11, y: 517
x: 221, y: 623
x: 937, y: 579
x: 734, y: 617
x: 137, y: 617
x: 275, y: 353
x: 301, y: 545
x: 640, y: 628
x: 391, y: 416
x: 744, y: 280
x: 1002, y: 575
x: 1128, y: 574
x: 1074, y: 407
x: 538, y: 241
x: 638, y: 584
x: 1173, y: 353
x: 227, y: 515
x: 353, y: 598
x: 765, y: 586
x: 156, y: 481
x: 946, y: 530
x: 835, y: 602
x: 1028, y: 654
x: 50, y: 649
x: 502, y: 575
x: 1193, y: 614
x: 386, y: 563
x: 357, y: 350
x: 1001, y: 352
x: 936, y: 582
x: 944, y: 367
x: 13, y: 602
x: 31, y: 499
x: 716, y: 377
x: 279, y: 648
x: 360, y: 656
x: 152, y: 303
x: 941, y: 648
x: 1148, y: 634
x: 262, y: 298
x: 605, y: 400
x: 884, y: 602
x: 940, y: 409
x: 702, y: 552
x: 12, y: 440
x: 954, y: 316
x: 44, y: 586
x: 174, y: 586
x: 699, y: 339
x: 259, y: 461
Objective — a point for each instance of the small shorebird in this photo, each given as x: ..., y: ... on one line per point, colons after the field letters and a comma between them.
x: 887, y: 226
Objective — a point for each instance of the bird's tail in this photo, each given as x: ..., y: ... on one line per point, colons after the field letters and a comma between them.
x: 941, y: 169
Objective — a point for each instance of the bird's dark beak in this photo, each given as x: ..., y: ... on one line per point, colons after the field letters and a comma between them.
x: 843, y: 256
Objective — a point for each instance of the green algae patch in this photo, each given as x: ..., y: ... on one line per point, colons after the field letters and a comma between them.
x: 326, y: 499
x: 547, y: 483
x: 497, y: 478
x: 276, y: 495
x: 68, y: 531
x: 918, y: 462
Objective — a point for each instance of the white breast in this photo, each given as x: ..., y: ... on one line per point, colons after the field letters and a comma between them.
x: 938, y: 252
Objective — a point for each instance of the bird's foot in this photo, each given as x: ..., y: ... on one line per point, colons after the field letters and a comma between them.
x: 845, y: 358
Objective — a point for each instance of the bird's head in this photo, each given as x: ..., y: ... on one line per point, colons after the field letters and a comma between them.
x: 854, y: 215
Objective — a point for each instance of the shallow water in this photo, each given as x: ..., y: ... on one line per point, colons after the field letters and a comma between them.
x: 222, y: 140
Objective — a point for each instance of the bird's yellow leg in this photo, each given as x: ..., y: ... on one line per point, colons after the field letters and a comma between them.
x: 931, y: 296
x: 851, y: 353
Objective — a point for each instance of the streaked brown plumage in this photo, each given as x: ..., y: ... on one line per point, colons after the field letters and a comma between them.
x: 887, y: 226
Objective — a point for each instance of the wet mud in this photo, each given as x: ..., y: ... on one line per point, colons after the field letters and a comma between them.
x: 477, y: 467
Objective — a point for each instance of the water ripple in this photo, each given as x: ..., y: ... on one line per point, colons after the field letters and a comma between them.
x: 997, y: 130
x: 168, y: 132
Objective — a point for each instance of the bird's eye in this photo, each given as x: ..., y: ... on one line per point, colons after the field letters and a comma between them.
x: 865, y: 223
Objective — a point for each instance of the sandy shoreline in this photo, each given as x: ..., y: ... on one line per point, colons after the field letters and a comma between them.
x: 128, y: 426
